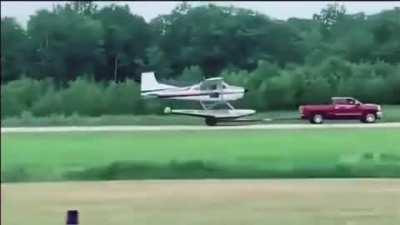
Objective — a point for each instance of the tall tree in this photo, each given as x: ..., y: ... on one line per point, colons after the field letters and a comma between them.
x: 215, y: 37
x: 84, y: 7
x: 329, y: 16
x: 13, y: 41
x: 65, y: 44
x: 126, y: 38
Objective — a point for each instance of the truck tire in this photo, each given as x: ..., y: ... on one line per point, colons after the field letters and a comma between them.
x: 317, y: 118
x: 369, y: 118
x: 211, y: 121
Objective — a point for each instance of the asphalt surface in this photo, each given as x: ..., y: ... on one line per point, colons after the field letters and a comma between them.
x: 198, y: 127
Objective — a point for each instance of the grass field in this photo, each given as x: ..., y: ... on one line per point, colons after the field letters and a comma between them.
x: 211, y: 202
x: 201, y: 154
x: 391, y: 114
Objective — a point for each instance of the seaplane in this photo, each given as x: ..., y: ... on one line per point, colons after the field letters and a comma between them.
x: 212, y: 93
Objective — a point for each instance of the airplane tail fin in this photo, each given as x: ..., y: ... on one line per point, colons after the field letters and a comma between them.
x: 149, y: 82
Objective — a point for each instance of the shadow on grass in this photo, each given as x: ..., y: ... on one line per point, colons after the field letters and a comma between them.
x: 148, y: 170
x: 16, y: 174
x: 349, y: 166
x: 198, y: 169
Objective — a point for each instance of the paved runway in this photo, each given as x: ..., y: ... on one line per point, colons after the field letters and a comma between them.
x: 198, y: 127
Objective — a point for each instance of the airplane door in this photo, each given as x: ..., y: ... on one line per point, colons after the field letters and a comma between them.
x: 214, y: 94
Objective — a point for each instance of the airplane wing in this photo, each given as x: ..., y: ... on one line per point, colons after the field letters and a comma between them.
x: 214, y: 83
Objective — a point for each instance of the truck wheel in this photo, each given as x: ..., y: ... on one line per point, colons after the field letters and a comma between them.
x: 317, y: 119
x: 369, y: 118
x: 210, y: 121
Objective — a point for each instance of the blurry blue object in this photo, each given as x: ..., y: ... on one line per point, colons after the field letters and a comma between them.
x: 72, y: 217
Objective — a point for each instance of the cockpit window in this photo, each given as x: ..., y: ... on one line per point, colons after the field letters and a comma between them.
x: 213, y: 87
x: 210, y: 87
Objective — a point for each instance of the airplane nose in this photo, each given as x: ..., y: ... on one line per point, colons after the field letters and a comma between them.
x: 246, y: 90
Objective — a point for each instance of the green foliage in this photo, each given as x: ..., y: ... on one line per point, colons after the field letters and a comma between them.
x: 50, y: 103
x: 13, y: 42
x: 123, y: 98
x: 278, y: 93
x: 82, y: 96
x: 10, y: 105
x: 318, y: 91
x: 192, y: 75
x: 124, y: 42
x: 63, y: 43
x: 212, y: 154
x: 274, y: 88
x: 282, y: 63
x: 271, y: 88
x: 20, y: 95
x: 329, y: 17
x: 113, y: 44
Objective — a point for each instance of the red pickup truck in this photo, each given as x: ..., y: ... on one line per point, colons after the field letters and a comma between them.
x: 342, y: 108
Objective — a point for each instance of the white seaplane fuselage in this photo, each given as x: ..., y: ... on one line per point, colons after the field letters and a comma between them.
x: 193, y: 93
x: 210, y: 93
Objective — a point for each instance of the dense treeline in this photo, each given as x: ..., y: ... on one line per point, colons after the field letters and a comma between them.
x: 83, y: 59
x: 272, y: 88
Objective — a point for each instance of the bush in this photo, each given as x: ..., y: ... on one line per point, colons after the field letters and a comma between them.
x: 10, y: 106
x: 50, y: 103
x: 278, y: 93
x: 318, y: 91
x: 393, y: 87
x: 375, y: 90
x: 20, y: 95
x: 123, y: 98
x: 83, y: 97
x: 26, y: 117
x: 16, y: 174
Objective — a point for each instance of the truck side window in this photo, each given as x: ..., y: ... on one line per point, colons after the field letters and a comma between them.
x: 340, y: 102
x: 350, y: 101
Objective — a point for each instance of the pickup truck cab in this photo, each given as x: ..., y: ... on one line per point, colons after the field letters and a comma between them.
x: 342, y: 108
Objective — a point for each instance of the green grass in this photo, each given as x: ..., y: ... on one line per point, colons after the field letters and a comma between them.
x: 201, y: 154
x: 391, y: 114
